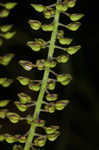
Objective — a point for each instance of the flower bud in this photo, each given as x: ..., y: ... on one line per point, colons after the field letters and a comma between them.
x: 61, y: 7
x: 4, y: 103
x: 3, y: 113
x: 71, y: 3
x: 5, y: 60
x: 22, y: 139
x: 23, y: 80
x: 51, y: 97
x: 21, y: 107
x: 5, y: 28
x: 63, y: 77
x: 49, y: 13
x: 38, y: 7
x: 10, y: 5
x: 60, y: 34
x: 40, y: 64
x: 60, y: 105
x: 52, y: 137
x: 2, y: 137
x: 34, y: 24
x: 17, y: 147
x: 24, y: 98
x: 50, y: 107
x: 9, y: 138
x: 7, y: 83
x: 50, y: 63
x: 65, y: 41
x: 63, y: 59
x: 39, y: 123
x: 8, y: 35
x: 34, y: 46
x: 13, y: 117
x: 40, y: 141
x: 27, y: 65
x: 73, y: 49
x: 2, y: 80
x: 4, y: 13
x: 73, y: 26
x: 48, y: 27
x: 76, y: 16
x: 34, y: 86
x: 51, y: 85
x: 51, y: 129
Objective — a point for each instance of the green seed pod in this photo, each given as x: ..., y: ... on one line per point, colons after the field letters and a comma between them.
x: 21, y: 107
x: 51, y: 129
x: 76, y: 16
x: 3, y: 113
x: 34, y: 24
x: 9, y: 138
x: 38, y: 7
x: 7, y: 83
x: 34, y: 46
x: 22, y: 139
x: 50, y: 107
x: 5, y: 60
x: 10, y: 5
x: 49, y: 13
x: 65, y: 41
x: 60, y: 105
x: 51, y: 97
x: 40, y: 64
x: 1, y: 42
x: 2, y: 137
x: 24, y: 98
x: 47, y: 27
x: 23, y: 80
x: 34, y: 86
x: 2, y: 80
x: 13, y: 117
x: 17, y: 147
x: 40, y: 141
x: 73, y: 49
x: 51, y: 85
x: 50, y: 63
x: 4, y: 103
x: 5, y: 28
x: 39, y: 123
x: 27, y: 65
x: 73, y: 26
x: 8, y: 35
x: 71, y: 3
x: 63, y: 77
x: 54, y: 136
x: 61, y: 7
x: 4, y: 13
x: 63, y: 59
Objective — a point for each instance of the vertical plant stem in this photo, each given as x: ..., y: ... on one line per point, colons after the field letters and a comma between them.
x: 44, y: 82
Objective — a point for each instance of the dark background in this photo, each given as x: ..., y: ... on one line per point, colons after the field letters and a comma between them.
x: 79, y: 120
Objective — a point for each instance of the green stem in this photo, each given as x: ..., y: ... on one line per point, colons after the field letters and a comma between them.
x: 44, y: 82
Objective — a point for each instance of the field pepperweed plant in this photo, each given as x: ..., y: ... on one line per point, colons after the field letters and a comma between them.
x: 47, y: 101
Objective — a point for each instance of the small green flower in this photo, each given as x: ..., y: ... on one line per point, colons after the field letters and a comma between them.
x: 52, y: 137
x: 38, y: 7
x: 61, y: 7
x: 49, y: 13
x: 23, y: 80
x: 60, y: 105
x: 63, y: 59
x: 5, y: 28
x: 40, y: 141
x: 10, y: 5
x: 8, y: 35
x: 74, y: 26
x: 76, y: 16
x: 13, y: 117
x: 34, y: 46
x: 2, y: 137
x: 34, y: 24
x: 3, y: 113
x: 24, y: 98
x: 5, y: 60
x: 73, y: 49
x: 71, y: 3
x: 34, y: 86
x: 9, y: 138
x: 51, y: 97
x: 4, y: 13
x: 51, y: 129
x: 40, y: 64
x: 50, y: 107
x: 47, y: 27
x: 27, y: 65
x: 21, y: 107
x: 51, y: 85
x: 65, y: 41
x: 4, y: 103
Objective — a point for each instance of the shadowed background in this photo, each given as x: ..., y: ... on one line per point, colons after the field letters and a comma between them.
x: 79, y: 120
